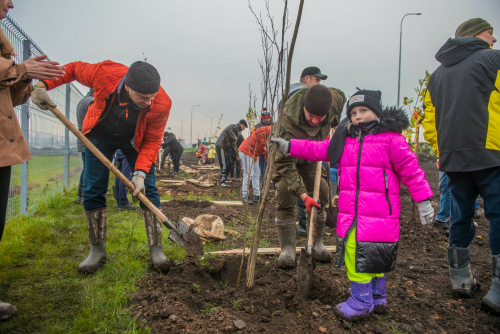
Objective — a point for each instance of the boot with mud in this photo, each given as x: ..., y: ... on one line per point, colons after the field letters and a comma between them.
x: 321, y: 254
x: 7, y: 311
x: 461, y: 277
x: 287, y: 236
x: 96, y: 227
x: 302, y: 228
x: 359, y: 305
x: 492, y: 298
x: 79, y: 199
x: 379, y: 295
x: 153, y: 226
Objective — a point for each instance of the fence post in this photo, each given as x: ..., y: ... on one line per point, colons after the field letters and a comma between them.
x: 66, y: 138
x: 25, y: 108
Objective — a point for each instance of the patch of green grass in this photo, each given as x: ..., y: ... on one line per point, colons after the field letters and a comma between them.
x: 196, y: 287
x: 205, y: 260
x: 237, y: 303
x: 39, y: 257
x: 208, y: 308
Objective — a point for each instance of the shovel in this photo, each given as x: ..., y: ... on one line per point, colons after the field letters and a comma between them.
x: 305, y: 268
x: 181, y: 234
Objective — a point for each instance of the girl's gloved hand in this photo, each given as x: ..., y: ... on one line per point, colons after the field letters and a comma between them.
x: 282, y: 145
x: 426, y: 212
x: 309, y: 202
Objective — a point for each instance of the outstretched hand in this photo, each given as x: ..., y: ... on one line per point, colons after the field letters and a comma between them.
x: 38, y: 68
x: 282, y: 145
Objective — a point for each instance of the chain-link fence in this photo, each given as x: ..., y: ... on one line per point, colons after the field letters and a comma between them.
x: 56, y: 163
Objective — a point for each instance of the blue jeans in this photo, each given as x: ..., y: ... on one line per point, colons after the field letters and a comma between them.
x: 464, y: 188
x: 83, y: 176
x: 98, y: 174
x: 124, y: 167
x: 262, y: 166
x: 445, y: 198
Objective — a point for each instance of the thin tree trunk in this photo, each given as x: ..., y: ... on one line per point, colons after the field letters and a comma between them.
x: 256, y: 233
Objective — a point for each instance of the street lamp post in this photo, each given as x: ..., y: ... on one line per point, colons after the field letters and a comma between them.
x: 400, y: 41
x: 211, y: 117
x: 182, y: 125
x: 191, y: 135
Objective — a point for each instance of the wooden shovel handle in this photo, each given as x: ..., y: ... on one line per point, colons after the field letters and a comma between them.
x: 314, y: 210
x: 107, y: 163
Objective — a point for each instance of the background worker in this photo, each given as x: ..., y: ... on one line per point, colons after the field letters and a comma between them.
x: 309, y: 114
x: 203, y: 152
x: 122, y: 202
x: 129, y: 106
x: 175, y: 148
x: 225, y: 144
x: 468, y: 144
x: 211, y: 154
x: 81, y: 111
x: 265, y: 120
x: 16, y: 88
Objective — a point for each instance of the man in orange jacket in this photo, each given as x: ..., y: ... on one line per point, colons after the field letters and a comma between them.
x: 129, y: 112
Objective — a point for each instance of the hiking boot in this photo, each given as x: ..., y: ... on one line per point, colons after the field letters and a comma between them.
x: 256, y: 199
x: 7, y: 311
x: 245, y: 200
x: 302, y: 228
x: 461, y: 277
x: 359, y: 305
x: 225, y: 184
x: 492, y: 298
x: 96, y: 227
x: 440, y: 224
x: 153, y: 226
x: 320, y: 252
x: 287, y: 237
x: 379, y: 295
x: 128, y: 206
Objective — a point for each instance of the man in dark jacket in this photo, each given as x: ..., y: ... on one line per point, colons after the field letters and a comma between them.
x: 171, y: 145
x: 227, y: 143
x: 81, y: 111
x: 462, y: 123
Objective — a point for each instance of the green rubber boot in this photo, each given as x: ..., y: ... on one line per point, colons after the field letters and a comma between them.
x: 287, y: 236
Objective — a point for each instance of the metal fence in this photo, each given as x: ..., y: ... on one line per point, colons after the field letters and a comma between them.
x: 56, y: 164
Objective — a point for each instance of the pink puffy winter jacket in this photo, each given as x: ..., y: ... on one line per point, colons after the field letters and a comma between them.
x: 375, y: 158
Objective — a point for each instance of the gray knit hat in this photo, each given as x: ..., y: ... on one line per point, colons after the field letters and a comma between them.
x: 472, y: 27
x: 318, y: 100
x: 143, y: 78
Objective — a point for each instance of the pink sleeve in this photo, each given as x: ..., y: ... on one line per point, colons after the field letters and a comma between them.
x: 309, y: 150
x: 405, y: 164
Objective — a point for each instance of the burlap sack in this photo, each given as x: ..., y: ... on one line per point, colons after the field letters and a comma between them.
x: 209, y: 227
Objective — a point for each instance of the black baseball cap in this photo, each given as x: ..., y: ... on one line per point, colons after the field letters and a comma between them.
x: 313, y: 71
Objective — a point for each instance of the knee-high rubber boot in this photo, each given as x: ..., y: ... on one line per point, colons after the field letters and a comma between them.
x: 96, y: 227
x: 320, y: 252
x: 287, y: 236
x: 492, y: 298
x: 302, y: 228
x: 461, y: 277
x: 153, y: 227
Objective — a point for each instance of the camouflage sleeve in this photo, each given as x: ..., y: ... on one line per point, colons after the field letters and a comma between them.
x: 285, y: 169
x: 339, y: 101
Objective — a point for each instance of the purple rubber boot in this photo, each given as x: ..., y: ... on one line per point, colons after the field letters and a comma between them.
x: 379, y: 295
x: 359, y: 305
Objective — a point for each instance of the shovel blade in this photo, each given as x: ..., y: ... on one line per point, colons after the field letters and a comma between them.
x: 305, y: 272
x: 188, y: 239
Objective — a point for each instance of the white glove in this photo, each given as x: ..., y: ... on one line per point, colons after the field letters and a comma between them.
x: 282, y: 145
x: 138, y: 182
x: 41, y: 98
x: 426, y: 212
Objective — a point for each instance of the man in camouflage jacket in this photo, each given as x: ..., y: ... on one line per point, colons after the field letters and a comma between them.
x: 309, y: 114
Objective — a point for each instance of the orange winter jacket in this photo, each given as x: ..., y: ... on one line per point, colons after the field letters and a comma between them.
x: 104, y: 78
x: 255, y: 144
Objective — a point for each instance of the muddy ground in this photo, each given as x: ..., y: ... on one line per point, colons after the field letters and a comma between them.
x: 201, y: 295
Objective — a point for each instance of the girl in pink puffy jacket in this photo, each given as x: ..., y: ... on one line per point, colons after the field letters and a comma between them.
x: 373, y: 157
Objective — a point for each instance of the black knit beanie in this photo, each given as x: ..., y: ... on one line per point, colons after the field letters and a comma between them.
x: 371, y: 99
x: 472, y: 27
x: 242, y: 121
x: 318, y: 100
x: 143, y: 78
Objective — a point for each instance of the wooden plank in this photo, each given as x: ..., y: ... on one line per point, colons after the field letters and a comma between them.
x: 266, y: 251
x: 237, y: 203
x: 171, y: 181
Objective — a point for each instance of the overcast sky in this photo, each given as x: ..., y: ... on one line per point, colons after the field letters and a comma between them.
x: 207, y: 51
